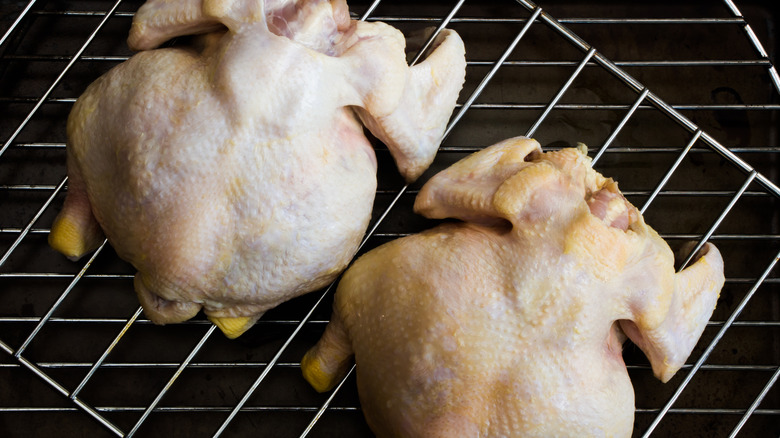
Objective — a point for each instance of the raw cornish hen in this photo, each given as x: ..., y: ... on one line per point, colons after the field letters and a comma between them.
x: 233, y: 172
x: 511, y: 323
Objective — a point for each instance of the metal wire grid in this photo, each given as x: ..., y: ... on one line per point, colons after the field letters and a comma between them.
x: 266, y: 365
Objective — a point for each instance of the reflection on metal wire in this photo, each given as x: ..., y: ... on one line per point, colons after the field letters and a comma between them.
x: 645, y: 100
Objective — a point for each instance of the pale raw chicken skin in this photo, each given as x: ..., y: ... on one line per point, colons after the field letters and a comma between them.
x: 511, y: 323
x: 233, y: 172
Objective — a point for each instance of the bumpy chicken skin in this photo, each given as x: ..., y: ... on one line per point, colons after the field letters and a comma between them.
x: 233, y: 172
x: 511, y: 323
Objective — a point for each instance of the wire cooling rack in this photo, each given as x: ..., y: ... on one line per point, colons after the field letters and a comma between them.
x: 678, y: 101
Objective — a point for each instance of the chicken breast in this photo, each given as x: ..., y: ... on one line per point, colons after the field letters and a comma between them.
x: 510, y: 322
x: 233, y: 171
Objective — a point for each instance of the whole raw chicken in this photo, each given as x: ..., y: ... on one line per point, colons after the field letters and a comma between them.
x: 233, y: 171
x: 512, y: 322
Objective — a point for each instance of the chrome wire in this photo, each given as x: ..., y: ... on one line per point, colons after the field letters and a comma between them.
x: 655, y: 100
x: 620, y: 126
x: 105, y: 354
x: 171, y: 381
x: 729, y: 322
x: 488, y: 77
x: 453, y: 122
x: 16, y: 22
x: 646, y: 101
x: 720, y: 218
x: 671, y: 171
x: 756, y: 42
x: 754, y: 406
x: 328, y: 401
x: 26, y: 230
x: 17, y: 354
x: 61, y: 389
x: 658, y: 103
x: 267, y: 369
x: 368, y: 235
x: 561, y: 92
x: 56, y: 82
x: 59, y: 301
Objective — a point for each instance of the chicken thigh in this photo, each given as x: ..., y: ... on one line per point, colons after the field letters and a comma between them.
x: 511, y: 322
x: 232, y: 170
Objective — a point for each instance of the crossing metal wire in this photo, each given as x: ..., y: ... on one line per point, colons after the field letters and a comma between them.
x: 678, y: 101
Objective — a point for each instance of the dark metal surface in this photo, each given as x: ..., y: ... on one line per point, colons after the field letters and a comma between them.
x: 676, y: 100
